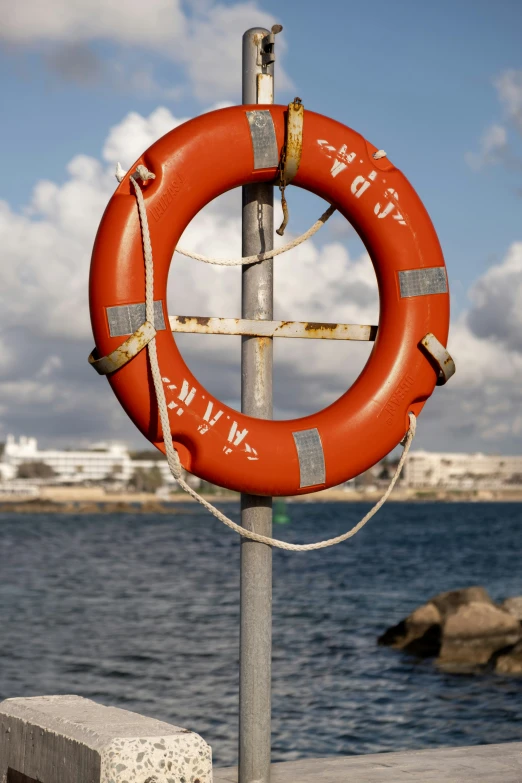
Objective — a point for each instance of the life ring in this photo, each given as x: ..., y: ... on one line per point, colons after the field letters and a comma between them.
x: 195, y: 163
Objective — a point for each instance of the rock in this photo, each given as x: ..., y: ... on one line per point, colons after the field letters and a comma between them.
x: 418, y: 634
x: 513, y: 606
x: 511, y: 661
x: 427, y: 614
x: 478, y: 619
x: 463, y: 629
x: 450, y: 602
x: 474, y: 632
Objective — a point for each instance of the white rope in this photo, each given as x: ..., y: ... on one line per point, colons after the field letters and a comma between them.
x: 318, y: 544
x: 262, y: 256
x: 120, y: 173
x: 172, y: 454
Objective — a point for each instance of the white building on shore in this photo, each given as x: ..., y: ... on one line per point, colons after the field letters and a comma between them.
x: 462, y: 471
x: 102, y: 462
x: 113, y: 464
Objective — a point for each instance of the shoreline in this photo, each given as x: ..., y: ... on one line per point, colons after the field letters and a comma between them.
x: 93, y: 500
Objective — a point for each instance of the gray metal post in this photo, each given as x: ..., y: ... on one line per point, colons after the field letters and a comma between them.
x: 255, y: 667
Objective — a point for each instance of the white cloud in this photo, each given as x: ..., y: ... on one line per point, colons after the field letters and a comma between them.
x: 128, y: 21
x: 142, y: 81
x: 481, y: 406
x: 212, y: 49
x: 206, y: 41
x: 509, y: 89
x: 311, y: 284
x: 493, y: 145
x: 50, y: 365
x: 129, y: 138
x: 47, y: 387
x: 135, y: 133
x: 75, y: 62
x: 479, y: 409
x: 496, y: 297
x: 43, y: 285
x: 44, y: 292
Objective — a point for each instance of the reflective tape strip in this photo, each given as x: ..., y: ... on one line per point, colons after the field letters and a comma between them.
x: 125, y: 352
x: 125, y: 319
x: 441, y: 357
x: 311, y: 457
x: 294, y: 141
x: 421, y: 282
x: 262, y: 131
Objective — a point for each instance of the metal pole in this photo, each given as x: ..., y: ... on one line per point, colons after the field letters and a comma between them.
x: 255, y: 654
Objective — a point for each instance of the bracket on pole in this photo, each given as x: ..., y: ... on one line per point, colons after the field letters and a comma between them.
x: 266, y: 55
x: 254, y: 328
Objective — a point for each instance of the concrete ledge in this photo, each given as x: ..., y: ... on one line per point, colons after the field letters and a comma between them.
x: 480, y: 763
x: 68, y: 739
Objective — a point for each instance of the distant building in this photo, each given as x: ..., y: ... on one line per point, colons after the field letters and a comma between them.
x: 102, y: 462
x: 461, y: 471
x: 113, y: 464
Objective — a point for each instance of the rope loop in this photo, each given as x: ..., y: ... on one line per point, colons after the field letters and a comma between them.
x: 172, y: 455
x: 327, y: 214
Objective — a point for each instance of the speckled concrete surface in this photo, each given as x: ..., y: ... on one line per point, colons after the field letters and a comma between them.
x: 74, y: 740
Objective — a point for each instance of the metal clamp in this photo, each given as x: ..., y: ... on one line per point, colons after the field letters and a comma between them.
x: 440, y: 356
x: 266, y: 54
x: 291, y: 154
x: 294, y: 140
x: 125, y: 352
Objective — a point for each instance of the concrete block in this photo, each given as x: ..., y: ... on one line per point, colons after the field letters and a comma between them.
x: 68, y: 739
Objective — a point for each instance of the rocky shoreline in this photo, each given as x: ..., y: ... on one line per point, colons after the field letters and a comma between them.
x: 463, y: 631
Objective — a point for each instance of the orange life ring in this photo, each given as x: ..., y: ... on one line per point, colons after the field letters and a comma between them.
x: 194, y: 164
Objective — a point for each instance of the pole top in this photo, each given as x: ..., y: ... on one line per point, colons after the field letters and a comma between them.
x: 258, y: 58
x: 255, y: 32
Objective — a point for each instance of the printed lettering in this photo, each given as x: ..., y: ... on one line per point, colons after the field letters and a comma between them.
x: 390, y: 206
x: 172, y: 190
x: 203, y: 428
x: 396, y: 400
x: 360, y: 184
x: 185, y: 395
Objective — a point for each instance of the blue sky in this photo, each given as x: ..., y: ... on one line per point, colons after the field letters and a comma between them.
x: 415, y: 78
x: 437, y: 85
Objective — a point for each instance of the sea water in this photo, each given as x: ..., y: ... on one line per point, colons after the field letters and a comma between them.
x: 141, y: 612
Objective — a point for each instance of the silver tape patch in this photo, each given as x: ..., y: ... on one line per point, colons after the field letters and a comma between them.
x: 125, y: 319
x: 311, y: 457
x: 266, y: 154
x: 421, y: 282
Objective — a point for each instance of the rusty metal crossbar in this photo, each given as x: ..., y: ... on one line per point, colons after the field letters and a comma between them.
x: 243, y: 326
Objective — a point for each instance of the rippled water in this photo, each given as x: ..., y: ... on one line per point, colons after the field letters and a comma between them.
x: 142, y: 612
